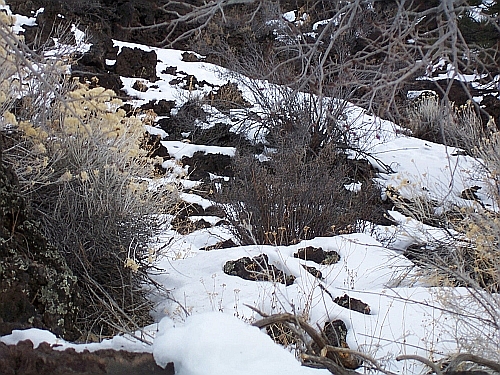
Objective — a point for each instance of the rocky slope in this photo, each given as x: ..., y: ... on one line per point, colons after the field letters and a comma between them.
x: 31, y: 272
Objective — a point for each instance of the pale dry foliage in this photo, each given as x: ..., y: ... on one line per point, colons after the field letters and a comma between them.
x: 77, y: 158
x: 467, y: 257
x: 436, y: 120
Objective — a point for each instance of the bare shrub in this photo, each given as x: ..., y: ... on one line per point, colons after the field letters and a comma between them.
x: 296, y: 194
x: 227, y: 97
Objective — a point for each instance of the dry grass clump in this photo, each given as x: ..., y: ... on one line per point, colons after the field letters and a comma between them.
x: 465, y: 265
x: 469, y: 257
x: 435, y: 120
x: 80, y: 167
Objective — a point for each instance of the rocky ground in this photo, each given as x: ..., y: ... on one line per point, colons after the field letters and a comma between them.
x: 31, y: 268
x: 47, y: 360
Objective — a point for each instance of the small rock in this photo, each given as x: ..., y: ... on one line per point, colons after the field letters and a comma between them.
x: 220, y: 245
x: 190, y: 57
x: 353, y: 304
x: 140, y: 86
x: 317, y: 255
x: 313, y: 271
x: 257, y: 269
x: 470, y: 193
x: 172, y: 70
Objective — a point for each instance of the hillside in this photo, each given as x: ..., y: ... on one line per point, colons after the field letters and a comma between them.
x: 262, y: 186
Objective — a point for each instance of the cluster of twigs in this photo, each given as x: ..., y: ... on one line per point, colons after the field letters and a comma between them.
x: 330, y: 357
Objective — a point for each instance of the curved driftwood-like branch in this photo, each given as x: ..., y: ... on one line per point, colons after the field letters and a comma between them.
x: 293, y: 319
x: 330, y: 365
x: 465, y: 357
x: 364, y: 356
x: 329, y: 356
x: 423, y: 360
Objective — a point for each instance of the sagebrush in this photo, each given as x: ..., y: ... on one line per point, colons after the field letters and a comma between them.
x: 80, y: 168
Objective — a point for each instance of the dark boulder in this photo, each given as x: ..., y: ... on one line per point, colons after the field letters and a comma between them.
x: 136, y: 63
x: 226, y: 244
x: 201, y: 164
x: 317, y: 255
x: 353, y: 304
x: 161, y: 107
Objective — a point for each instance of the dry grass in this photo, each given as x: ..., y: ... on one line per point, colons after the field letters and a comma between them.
x: 433, y: 119
x: 468, y: 256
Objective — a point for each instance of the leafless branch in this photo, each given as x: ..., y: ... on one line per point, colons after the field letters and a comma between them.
x: 425, y: 361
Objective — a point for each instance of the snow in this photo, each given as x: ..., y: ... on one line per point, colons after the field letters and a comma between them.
x: 60, y: 49
x: 156, y: 131
x: 195, y: 199
x: 216, y: 343
x: 20, y: 20
x: 38, y: 336
x: 203, y: 326
x: 163, y: 90
x: 205, y: 335
x: 354, y: 187
x: 423, y: 168
x: 289, y: 16
x: 178, y: 149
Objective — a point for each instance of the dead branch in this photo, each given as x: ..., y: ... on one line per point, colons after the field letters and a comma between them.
x: 358, y: 354
x: 329, y: 354
x: 327, y: 363
x: 465, y: 357
x: 289, y: 318
x: 423, y: 360
x: 196, y: 16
